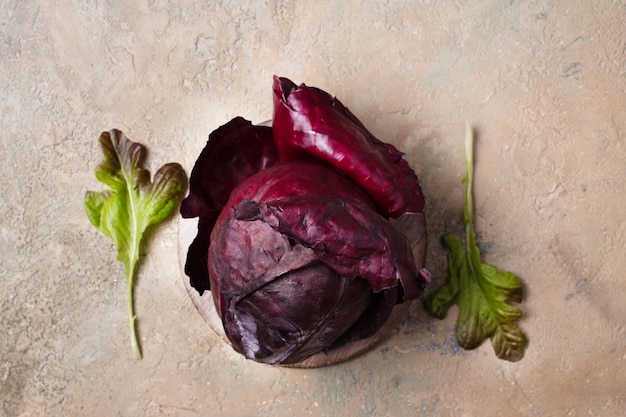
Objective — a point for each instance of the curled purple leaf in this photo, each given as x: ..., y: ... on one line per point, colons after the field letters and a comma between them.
x: 311, y: 124
x: 234, y: 152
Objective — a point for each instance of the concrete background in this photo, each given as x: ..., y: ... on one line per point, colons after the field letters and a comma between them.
x: 544, y: 83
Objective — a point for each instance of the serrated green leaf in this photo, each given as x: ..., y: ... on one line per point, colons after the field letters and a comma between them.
x: 483, y: 293
x: 133, y: 204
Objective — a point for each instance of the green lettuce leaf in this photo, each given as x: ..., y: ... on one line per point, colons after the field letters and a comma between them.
x: 132, y: 205
x: 484, y: 294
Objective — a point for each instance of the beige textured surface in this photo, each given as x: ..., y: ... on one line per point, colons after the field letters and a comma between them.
x: 544, y: 83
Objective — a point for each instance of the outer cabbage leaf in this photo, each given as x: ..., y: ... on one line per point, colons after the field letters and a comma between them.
x: 354, y: 241
x: 234, y: 152
x: 309, y: 123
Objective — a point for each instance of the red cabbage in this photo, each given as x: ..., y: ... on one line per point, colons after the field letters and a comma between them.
x: 295, y: 238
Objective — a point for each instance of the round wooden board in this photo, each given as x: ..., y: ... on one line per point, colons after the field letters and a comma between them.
x: 206, y: 308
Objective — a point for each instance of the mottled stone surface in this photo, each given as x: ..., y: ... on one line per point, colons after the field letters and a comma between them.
x: 544, y: 83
